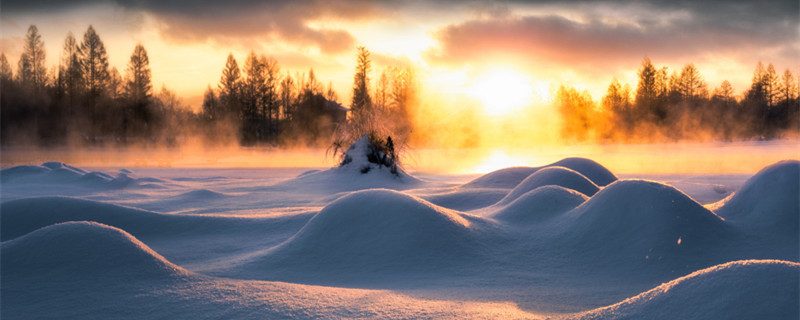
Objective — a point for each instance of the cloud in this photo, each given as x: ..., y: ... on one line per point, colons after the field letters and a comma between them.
x: 239, y: 22
x: 595, y: 37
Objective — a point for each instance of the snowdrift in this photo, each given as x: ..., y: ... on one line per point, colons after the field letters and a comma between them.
x: 359, y: 170
x: 540, y: 204
x: 464, y: 199
x: 376, y: 230
x: 510, y: 177
x: 83, y: 248
x: 60, y: 173
x: 752, y: 289
x: 638, y: 220
x: 18, y: 217
x: 552, y: 176
x: 768, y: 203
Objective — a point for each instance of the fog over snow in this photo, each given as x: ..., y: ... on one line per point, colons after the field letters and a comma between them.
x: 568, y: 240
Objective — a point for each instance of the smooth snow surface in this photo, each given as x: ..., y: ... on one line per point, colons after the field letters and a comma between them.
x: 568, y: 240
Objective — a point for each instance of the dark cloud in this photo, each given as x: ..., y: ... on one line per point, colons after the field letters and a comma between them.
x: 661, y: 30
x: 711, y: 24
x: 239, y: 22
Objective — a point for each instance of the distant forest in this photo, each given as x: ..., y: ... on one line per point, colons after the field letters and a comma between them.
x: 83, y: 101
x: 680, y: 107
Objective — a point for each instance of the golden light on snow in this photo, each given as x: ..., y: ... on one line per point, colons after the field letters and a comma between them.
x: 502, y: 91
x: 499, y: 159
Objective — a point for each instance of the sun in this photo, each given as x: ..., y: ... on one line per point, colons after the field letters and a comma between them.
x: 502, y: 91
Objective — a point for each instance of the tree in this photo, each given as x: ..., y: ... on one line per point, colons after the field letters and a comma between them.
x: 771, y: 83
x: 70, y: 73
x: 138, y: 86
x: 724, y: 92
x: 115, y: 83
x: 647, y: 89
x: 32, y: 70
x: 576, y: 109
x: 94, y: 64
x: 382, y: 91
x: 5, y: 69
x: 788, y: 87
x: 211, y: 105
x: 270, y: 104
x: 691, y: 85
x: 362, y: 103
x: 229, y: 85
x: 288, y: 97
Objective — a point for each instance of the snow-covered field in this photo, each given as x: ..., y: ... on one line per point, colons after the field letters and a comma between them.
x: 567, y: 240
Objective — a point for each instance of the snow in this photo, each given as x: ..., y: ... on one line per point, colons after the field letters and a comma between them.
x: 567, y: 240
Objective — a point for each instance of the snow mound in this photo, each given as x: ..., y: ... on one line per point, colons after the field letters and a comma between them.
x: 201, y: 194
x: 639, y: 219
x: 88, y: 248
x: 53, y: 165
x: 510, y: 177
x: 750, y: 289
x: 18, y: 217
x: 376, y: 230
x: 364, y: 157
x: 464, y: 199
x: 555, y: 176
x: 60, y: 173
x: 592, y: 170
x: 769, y: 202
x: 540, y: 204
x: 505, y: 178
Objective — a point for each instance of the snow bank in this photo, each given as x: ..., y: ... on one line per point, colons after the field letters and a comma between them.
x: 200, y: 195
x: 768, y: 203
x: 464, y: 199
x: 375, y: 230
x: 751, y: 289
x: 19, y: 217
x: 642, y: 220
x: 88, y: 248
x: 589, y: 168
x: 60, y: 173
x: 552, y: 176
x: 540, y: 204
x: 510, y: 177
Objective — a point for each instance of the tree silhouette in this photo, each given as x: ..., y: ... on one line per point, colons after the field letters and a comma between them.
x: 71, y: 73
x: 5, y: 69
x: 94, y: 63
x: 361, y: 104
x: 229, y: 85
x: 32, y: 71
x: 138, y: 86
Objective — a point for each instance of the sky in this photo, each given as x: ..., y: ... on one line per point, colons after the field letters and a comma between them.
x: 455, y: 46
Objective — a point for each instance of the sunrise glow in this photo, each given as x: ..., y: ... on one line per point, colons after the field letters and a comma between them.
x: 502, y: 91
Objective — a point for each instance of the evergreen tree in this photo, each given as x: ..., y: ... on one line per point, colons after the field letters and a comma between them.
x: 94, y: 64
x: 229, y: 85
x: 691, y: 85
x: 771, y: 83
x: 5, y: 69
x: 288, y: 97
x: 71, y: 74
x: 788, y: 88
x: 138, y: 86
x: 211, y: 105
x: 115, y: 84
x: 362, y: 103
x: 32, y: 69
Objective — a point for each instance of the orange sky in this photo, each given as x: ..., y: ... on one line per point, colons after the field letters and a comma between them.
x: 454, y: 45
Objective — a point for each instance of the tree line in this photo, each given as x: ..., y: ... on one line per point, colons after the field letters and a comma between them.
x: 83, y: 99
x: 679, y: 106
